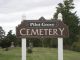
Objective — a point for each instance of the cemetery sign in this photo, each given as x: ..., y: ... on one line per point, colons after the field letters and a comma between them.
x: 42, y: 28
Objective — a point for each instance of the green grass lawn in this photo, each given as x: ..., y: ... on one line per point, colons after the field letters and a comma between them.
x: 38, y: 54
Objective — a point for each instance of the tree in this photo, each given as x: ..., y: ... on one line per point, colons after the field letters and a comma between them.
x: 12, y: 38
x: 6, y: 42
x: 69, y: 18
x: 2, y: 33
x: 76, y: 45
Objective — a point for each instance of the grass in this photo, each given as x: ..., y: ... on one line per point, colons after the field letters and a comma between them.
x: 43, y: 54
x: 38, y: 54
x: 12, y: 54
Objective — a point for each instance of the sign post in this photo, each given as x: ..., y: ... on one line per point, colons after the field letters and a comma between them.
x: 60, y: 42
x: 60, y: 48
x: 23, y: 48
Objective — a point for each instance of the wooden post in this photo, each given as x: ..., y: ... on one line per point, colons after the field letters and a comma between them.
x: 60, y: 48
x: 23, y: 48
x: 60, y: 42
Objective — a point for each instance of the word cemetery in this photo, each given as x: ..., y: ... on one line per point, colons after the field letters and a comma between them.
x: 41, y: 32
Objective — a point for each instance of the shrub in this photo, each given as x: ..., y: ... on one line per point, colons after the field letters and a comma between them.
x: 76, y: 46
x: 29, y: 50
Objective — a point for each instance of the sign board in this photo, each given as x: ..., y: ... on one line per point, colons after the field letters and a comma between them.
x: 42, y: 28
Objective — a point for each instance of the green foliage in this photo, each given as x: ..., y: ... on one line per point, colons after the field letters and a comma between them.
x: 2, y: 33
x: 29, y: 50
x: 45, y: 42
x: 42, y: 42
x: 69, y: 18
x: 6, y: 42
x: 50, y: 42
x: 35, y: 42
x: 76, y: 46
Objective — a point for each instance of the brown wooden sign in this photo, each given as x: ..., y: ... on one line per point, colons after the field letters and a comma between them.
x: 42, y: 28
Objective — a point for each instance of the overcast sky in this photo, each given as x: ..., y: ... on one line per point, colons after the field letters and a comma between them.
x: 11, y: 11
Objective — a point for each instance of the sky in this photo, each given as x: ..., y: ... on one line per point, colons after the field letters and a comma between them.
x: 11, y: 11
